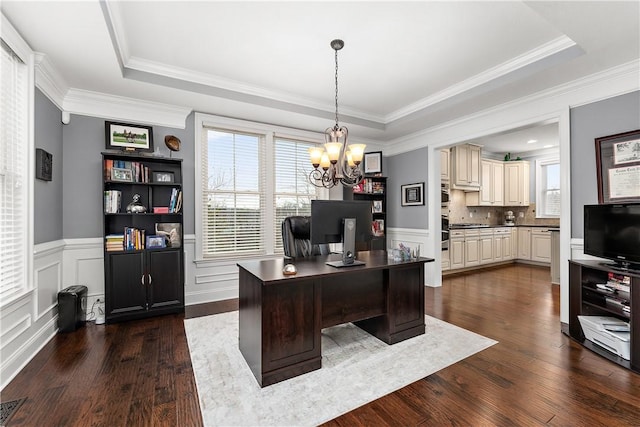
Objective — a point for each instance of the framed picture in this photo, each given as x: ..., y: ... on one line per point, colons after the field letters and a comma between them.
x: 163, y: 177
x: 412, y: 194
x: 373, y: 162
x: 128, y: 137
x: 44, y: 164
x: 172, y: 233
x: 618, y: 167
x: 376, y: 206
x: 155, y: 242
x: 122, y: 175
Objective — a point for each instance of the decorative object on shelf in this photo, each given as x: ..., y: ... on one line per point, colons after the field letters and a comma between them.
x: 412, y: 194
x: 172, y: 142
x: 121, y: 175
x: 340, y: 163
x: 44, y: 165
x: 373, y: 163
x: 376, y: 206
x: 135, y: 206
x: 128, y: 137
x: 155, y: 242
x: 171, y: 231
x: 163, y: 177
x: 618, y: 167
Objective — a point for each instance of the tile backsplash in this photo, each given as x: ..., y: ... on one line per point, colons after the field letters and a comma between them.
x: 459, y: 213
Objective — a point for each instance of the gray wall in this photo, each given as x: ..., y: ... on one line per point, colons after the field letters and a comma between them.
x: 48, y: 194
x: 401, y: 169
x: 608, y: 117
x: 84, y: 140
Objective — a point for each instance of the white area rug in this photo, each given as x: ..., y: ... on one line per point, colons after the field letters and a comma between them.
x: 356, y: 368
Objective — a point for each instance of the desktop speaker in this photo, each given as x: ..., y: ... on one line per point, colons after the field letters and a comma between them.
x: 349, y: 241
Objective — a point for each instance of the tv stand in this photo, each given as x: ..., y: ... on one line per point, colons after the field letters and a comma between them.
x: 623, y: 267
x: 586, y: 298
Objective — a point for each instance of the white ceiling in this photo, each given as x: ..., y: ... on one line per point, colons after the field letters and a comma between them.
x: 406, y: 66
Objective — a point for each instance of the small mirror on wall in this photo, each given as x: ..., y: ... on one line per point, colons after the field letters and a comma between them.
x: 44, y: 165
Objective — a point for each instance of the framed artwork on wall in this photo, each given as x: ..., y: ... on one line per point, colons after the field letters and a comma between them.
x: 618, y: 167
x: 128, y: 137
x: 373, y: 163
x: 412, y: 194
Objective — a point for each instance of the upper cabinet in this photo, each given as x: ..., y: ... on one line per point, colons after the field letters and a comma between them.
x: 516, y: 183
x: 492, y: 185
x: 465, y: 167
x: 444, y: 165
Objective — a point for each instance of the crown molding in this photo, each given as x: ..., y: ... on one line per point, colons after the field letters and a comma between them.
x: 49, y: 81
x: 120, y: 108
x: 494, y: 75
x: 538, y: 107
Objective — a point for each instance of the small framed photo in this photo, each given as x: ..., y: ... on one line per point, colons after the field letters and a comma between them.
x: 373, y: 163
x: 163, y: 177
x: 412, y: 194
x: 376, y: 206
x: 128, y: 137
x: 121, y: 175
x: 155, y: 242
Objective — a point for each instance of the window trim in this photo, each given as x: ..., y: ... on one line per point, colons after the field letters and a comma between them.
x: 13, y: 39
x: 540, y: 163
x: 269, y: 133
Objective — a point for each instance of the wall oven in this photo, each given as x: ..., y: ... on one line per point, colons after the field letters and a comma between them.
x: 444, y: 212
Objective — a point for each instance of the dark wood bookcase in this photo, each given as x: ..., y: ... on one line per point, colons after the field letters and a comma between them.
x: 373, y: 189
x: 142, y: 279
x: 585, y: 298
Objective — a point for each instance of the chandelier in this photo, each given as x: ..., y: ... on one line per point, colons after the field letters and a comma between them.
x: 338, y: 162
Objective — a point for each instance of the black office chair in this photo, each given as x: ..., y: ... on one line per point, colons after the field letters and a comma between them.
x: 296, y: 238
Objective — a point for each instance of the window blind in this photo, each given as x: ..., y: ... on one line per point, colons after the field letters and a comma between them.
x: 548, y: 195
x: 233, y: 183
x: 293, y: 191
x: 13, y: 179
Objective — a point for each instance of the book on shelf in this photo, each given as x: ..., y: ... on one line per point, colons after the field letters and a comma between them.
x: 112, y: 201
x: 369, y: 186
x: 139, y: 172
x: 114, y: 242
x: 133, y: 239
x: 175, y: 202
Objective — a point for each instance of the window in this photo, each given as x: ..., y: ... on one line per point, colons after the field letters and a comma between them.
x: 14, y: 174
x: 250, y: 180
x: 548, y: 188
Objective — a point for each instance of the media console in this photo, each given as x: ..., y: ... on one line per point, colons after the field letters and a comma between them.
x: 281, y: 317
x: 588, y: 297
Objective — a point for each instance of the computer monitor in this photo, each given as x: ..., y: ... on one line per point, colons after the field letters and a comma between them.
x: 327, y: 224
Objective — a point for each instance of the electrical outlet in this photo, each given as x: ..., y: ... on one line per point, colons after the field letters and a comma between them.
x: 488, y: 214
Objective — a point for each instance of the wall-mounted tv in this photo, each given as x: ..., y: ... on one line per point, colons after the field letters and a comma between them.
x: 613, y: 232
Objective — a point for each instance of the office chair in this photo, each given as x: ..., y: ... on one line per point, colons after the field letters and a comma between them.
x: 296, y: 238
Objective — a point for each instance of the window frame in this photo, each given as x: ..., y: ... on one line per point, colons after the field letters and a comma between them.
x: 269, y: 133
x: 540, y: 165
x: 15, y: 42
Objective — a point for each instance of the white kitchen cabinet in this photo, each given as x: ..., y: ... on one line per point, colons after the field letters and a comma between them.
x: 555, y: 257
x: 541, y: 245
x: 502, y: 250
x: 516, y: 183
x: 524, y: 243
x: 465, y: 167
x: 486, y: 246
x: 514, y: 242
x: 456, y: 249
x: 471, y: 248
x: 445, y: 260
x: 444, y: 165
x: 491, y: 185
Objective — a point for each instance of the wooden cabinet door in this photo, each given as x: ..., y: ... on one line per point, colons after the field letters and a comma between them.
x: 541, y: 246
x: 164, y: 277
x: 486, y: 248
x: 444, y: 165
x: 524, y: 242
x: 456, y: 253
x: 471, y: 251
x: 486, y: 189
x: 497, y: 175
x: 474, y: 165
x: 125, y: 284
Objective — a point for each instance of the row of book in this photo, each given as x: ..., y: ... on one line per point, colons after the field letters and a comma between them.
x: 116, y: 170
x: 132, y: 239
x: 175, y: 203
x: 112, y: 201
x: 369, y: 186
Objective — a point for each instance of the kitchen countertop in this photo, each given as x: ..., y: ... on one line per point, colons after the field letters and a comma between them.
x: 474, y: 226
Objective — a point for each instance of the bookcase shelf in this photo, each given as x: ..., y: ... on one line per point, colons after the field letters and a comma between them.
x: 373, y: 189
x: 141, y: 280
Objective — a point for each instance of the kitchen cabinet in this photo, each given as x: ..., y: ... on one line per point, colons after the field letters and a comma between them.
x: 491, y: 185
x: 502, y: 246
x: 541, y: 245
x: 486, y: 246
x: 444, y: 165
x: 456, y: 249
x: 465, y: 167
x: 516, y: 183
x: 555, y: 257
x: 445, y: 260
x: 524, y: 243
x: 514, y: 242
x: 471, y: 248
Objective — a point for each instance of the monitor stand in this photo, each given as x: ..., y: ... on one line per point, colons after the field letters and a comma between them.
x: 340, y: 264
x: 348, y: 245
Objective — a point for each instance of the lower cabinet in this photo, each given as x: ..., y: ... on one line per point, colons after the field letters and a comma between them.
x: 487, y: 251
x: 456, y: 249
x: 143, y: 283
x: 524, y: 243
x: 471, y: 248
x: 541, y: 245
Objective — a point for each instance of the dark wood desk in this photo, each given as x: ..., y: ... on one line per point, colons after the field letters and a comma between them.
x: 281, y: 317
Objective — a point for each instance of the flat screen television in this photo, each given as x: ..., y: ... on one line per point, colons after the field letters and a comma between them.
x: 327, y: 216
x: 613, y: 232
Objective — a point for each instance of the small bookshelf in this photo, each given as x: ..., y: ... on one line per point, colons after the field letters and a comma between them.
x: 373, y: 189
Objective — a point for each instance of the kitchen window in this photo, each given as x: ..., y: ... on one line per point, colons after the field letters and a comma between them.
x: 548, y: 188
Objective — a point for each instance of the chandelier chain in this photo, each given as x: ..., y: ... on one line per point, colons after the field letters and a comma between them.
x: 336, y: 89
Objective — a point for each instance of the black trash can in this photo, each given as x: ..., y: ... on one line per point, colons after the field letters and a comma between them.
x: 72, y: 308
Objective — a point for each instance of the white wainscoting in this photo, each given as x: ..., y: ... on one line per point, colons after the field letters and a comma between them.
x: 417, y: 238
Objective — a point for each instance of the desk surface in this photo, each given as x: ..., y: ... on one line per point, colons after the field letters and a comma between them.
x: 269, y: 271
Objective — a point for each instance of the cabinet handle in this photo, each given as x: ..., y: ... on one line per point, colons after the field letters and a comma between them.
x: 150, y: 280
x: 142, y: 280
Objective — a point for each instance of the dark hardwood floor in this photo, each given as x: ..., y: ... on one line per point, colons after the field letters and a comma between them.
x: 139, y: 373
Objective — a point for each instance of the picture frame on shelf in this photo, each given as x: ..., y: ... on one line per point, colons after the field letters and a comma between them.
x: 121, y: 175
x: 618, y: 167
x: 412, y: 194
x: 172, y: 233
x: 128, y: 137
x: 155, y: 242
x: 376, y: 206
x: 373, y: 163
x: 164, y: 177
